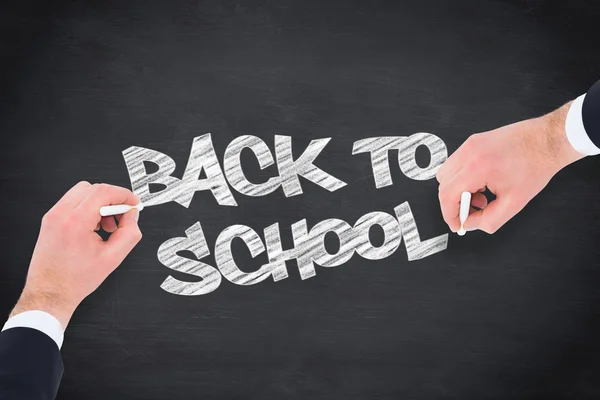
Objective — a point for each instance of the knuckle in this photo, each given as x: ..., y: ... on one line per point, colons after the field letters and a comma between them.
x: 438, y: 174
x: 478, y: 162
x: 449, y: 222
x: 447, y: 217
x: 442, y: 199
x: 72, y: 220
x: 49, y: 218
x: 475, y: 157
x: 472, y: 142
x: 475, y: 164
x: 468, y: 144
x: 100, y: 187
x: 475, y: 138
x: 490, y: 227
x: 443, y: 195
x: 136, y: 235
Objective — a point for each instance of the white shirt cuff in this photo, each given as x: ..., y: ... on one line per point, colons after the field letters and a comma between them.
x: 39, y: 320
x: 575, y: 129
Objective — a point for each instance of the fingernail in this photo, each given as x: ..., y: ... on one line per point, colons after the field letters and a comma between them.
x: 136, y: 214
x: 471, y: 229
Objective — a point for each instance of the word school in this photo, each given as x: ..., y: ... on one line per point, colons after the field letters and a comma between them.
x: 309, y: 245
x: 309, y: 249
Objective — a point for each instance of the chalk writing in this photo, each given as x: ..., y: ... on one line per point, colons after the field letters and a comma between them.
x: 203, y: 157
x: 309, y: 249
x: 309, y: 245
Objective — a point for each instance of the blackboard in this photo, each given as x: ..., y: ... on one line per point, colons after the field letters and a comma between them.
x: 512, y: 315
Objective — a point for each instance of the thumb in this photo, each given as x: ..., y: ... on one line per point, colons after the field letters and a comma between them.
x: 124, y: 238
x: 493, y: 216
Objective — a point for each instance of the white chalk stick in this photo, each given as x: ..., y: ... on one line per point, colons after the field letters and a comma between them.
x: 465, y: 206
x: 107, y: 211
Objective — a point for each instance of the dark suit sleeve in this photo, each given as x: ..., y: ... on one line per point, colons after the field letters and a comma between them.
x: 590, y: 113
x: 30, y: 365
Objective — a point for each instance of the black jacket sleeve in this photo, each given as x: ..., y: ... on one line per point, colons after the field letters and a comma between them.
x: 30, y: 365
x: 590, y: 113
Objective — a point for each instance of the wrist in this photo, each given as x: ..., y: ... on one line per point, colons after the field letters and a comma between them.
x: 52, y: 303
x: 557, y: 147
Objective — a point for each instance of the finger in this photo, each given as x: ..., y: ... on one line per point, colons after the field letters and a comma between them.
x: 124, y: 239
x: 479, y: 200
x: 103, y: 195
x: 450, y: 210
x: 449, y: 168
x: 493, y: 216
x: 450, y: 194
x: 110, y: 228
x: 72, y: 198
x: 109, y: 224
x: 455, y: 162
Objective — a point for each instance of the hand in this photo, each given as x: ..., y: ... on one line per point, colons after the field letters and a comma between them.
x: 70, y: 260
x: 514, y: 162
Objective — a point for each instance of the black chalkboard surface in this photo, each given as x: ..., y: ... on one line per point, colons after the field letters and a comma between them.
x: 513, y: 315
